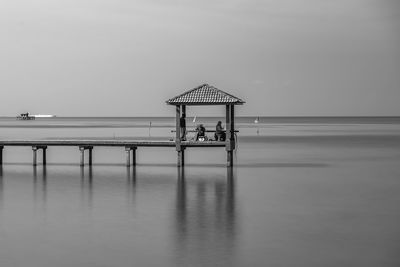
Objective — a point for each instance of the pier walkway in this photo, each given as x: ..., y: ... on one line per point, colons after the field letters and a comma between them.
x: 129, y: 145
x: 202, y: 95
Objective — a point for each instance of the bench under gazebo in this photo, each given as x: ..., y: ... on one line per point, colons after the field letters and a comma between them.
x: 205, y: 95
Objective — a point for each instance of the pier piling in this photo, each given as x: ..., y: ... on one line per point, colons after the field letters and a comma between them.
x: 134, y: 156
x: 82, y: 157
x: 82, y: 150
x: 128, y: 156
x: 181, y: 158
x: 90, y: 155
x: 44, y: 155
x: 1, y: 155
x: 229, y: 161
x: 34, y: 158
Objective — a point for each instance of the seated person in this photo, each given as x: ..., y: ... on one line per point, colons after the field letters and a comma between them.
x: 183, y: 128
x: 219, y: 132
x: 201, y: 133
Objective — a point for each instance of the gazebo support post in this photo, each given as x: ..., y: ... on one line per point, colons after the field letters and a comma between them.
x: 230, y: 131
x: 183, y: 134
x: 178, y: 128
x: 181, y: 153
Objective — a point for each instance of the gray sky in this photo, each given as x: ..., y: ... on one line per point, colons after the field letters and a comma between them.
x: 127, y: 57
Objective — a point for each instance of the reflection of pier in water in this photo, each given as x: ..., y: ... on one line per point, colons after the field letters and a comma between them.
x: 87, y: 181
x: 205, y: 220
x: 131, y: 184
x: 88, y: 190
x: 40, y: 181
x: 197, y: 212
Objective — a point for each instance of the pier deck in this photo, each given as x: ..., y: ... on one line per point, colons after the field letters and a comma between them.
x: 111, y: 142
x: 130, y: 146
x: 199, y: 96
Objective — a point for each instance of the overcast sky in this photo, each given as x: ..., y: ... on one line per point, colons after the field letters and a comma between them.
x: 127, y: 57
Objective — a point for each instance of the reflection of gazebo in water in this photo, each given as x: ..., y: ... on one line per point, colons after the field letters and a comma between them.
x: 206, y: 218
x: 205, y: 95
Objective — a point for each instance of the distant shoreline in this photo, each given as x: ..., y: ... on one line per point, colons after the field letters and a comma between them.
x: 169, y: 122
x: 243, y: 116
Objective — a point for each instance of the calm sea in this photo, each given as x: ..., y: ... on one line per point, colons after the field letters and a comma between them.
x: 304, y: 191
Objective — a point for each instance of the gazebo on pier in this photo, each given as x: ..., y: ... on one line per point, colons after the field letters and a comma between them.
x: 205, y: 95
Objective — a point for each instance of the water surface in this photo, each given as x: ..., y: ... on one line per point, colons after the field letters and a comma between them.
x: 302, y: 193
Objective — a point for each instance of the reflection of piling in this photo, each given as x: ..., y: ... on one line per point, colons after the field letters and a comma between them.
x: 181, y: 209
x: 181, y: 174
x: 44, y: 184
x: 131, y: 175
x: 205, y: 219
x: 89, y: 183
x: 131, y: 183
x: 36, y: 182
x: 34, y: 174
x: 230, y: 196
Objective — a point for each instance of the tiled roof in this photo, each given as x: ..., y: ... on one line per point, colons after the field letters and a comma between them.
x: 205, y: 95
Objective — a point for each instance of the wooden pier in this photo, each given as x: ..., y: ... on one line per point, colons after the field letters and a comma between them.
x: 200, y: 96
x: 88, y: 145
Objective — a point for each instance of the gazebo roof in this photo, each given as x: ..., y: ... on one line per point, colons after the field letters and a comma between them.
x: 205, y: 95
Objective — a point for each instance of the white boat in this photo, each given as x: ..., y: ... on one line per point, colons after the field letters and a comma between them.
x: 43, y: 116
